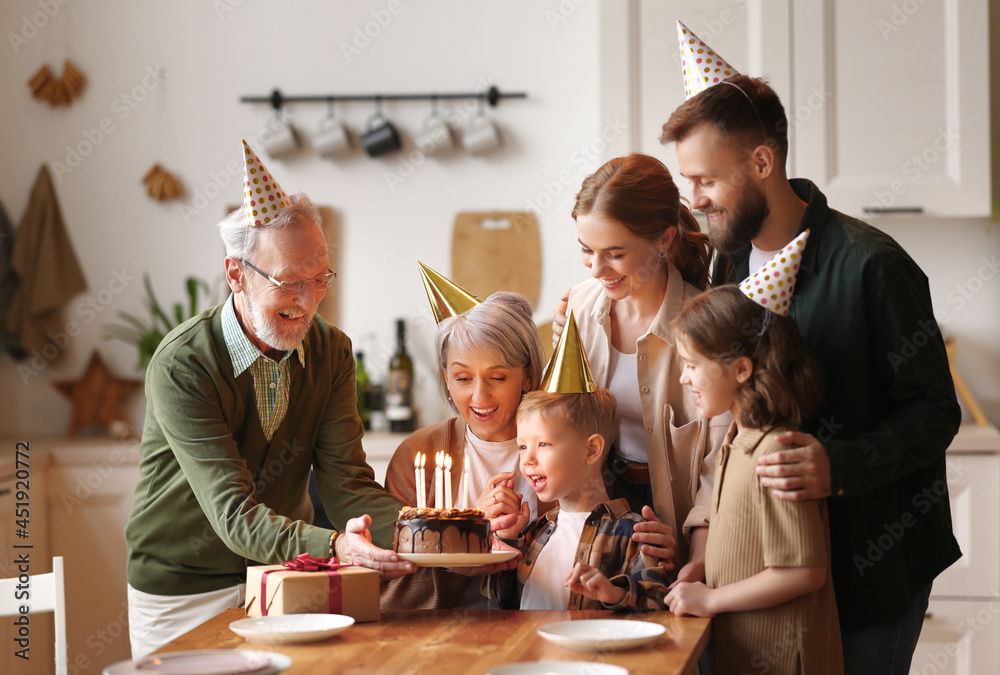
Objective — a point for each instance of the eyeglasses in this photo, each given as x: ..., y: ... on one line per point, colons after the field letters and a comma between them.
x: 295, y: 287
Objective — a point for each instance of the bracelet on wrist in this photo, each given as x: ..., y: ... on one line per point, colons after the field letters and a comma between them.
x: 333, y: 543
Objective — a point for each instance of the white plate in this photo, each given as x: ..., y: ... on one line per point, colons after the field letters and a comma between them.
x: 557, y: 668
x: 205, y: 662
x: 457, y: 559
x: 291, y: 628
x: 592, y: 635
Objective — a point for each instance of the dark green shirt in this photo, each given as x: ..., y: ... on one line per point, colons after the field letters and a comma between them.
x: 864, y: 309
x: 213, y: 494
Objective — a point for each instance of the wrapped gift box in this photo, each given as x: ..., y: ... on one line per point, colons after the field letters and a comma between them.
x: 352, y: 591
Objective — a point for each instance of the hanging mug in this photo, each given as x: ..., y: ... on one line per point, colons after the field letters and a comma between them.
x: 436, y: 136
x: 481, y: 135
x: 380, y: 137
x: 279, y: 139
x: 332, y: 141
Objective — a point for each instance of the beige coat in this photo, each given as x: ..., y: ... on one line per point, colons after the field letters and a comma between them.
x: 681, y: 446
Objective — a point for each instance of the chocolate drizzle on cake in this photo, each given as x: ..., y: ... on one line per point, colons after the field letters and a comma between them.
x: 425, y: 529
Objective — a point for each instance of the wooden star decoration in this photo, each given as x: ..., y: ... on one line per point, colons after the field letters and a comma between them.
x: 97, y: 396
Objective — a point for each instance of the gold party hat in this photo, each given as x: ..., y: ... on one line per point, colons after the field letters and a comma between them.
x: 701, y: 66
x: 447, y: 298
x: 771, y: 286
x: 568, y: 371
x: 263, y: 198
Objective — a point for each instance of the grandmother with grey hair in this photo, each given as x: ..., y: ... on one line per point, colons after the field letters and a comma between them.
x: 488, y: 357
x: 243, y: 400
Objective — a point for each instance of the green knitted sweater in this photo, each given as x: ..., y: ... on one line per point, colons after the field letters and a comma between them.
x: 213, y: 495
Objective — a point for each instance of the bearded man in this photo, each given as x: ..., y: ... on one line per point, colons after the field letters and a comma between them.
x: 878, y: 442
x: 243, y: 401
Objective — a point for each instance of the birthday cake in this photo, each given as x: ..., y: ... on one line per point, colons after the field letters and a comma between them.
x: 441, y: 531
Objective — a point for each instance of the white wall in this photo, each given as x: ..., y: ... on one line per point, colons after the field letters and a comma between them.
x: 213, y: 53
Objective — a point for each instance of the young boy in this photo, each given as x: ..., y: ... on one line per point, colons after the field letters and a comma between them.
x: 581, y: 554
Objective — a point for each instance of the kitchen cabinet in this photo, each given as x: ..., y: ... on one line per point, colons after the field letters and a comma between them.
x: 888, y: 103
x: 90, y: 486
x: 958, y: 638
x: 81, y: 493
x: 961, y: 632
x: 34, y: 469
x: 906, y: 119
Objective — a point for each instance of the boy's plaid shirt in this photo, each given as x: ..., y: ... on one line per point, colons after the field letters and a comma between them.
x: 606, y: 544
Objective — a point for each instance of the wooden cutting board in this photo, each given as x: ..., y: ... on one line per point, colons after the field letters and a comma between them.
x: 497, y: 250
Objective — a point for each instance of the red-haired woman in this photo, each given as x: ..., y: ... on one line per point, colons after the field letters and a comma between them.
x: 647, y: 257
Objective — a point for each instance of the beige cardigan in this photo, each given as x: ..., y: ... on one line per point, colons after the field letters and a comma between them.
x: 681, y: 446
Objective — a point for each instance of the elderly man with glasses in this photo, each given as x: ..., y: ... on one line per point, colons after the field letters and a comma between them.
x: 242, y: 401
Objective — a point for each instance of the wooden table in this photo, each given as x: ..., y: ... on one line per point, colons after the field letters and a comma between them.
x: 411, y: 642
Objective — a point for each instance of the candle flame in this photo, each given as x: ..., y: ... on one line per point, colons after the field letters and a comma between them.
x: 447, y: 462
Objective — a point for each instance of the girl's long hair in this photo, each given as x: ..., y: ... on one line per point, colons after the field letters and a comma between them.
x: 786, y: 385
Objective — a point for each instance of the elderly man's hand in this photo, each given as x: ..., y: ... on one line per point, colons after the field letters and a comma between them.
x: 354, y: 546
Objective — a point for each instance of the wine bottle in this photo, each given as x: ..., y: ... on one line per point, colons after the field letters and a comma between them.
x: 363, y: 383
x: 399, y: 397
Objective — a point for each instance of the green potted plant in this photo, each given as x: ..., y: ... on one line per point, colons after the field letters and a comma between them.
x: 147, y: 335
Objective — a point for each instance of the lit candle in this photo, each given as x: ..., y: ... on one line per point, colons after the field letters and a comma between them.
x: 422, y: 483
x: 447, y: 482
x: 465, y: 491
x: 423, y: 480
x: 438, y: 481
x: 416, y: 477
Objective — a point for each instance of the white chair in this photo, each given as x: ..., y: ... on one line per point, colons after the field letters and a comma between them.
x: 48, y: 594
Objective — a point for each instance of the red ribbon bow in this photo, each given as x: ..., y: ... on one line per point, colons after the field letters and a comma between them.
x: 306, y: 563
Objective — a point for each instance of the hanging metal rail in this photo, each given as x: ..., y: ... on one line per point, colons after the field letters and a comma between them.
x: 277, y: 99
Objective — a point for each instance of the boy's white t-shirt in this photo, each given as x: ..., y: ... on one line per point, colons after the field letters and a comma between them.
x: 487, y: 459
x: 546, y: 585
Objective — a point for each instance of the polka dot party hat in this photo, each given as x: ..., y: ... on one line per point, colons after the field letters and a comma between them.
x: 700, y: 65
x: 263, y: 198
x: 771, y: 286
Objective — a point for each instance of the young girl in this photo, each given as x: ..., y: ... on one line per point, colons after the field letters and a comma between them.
x: 767, y: 560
